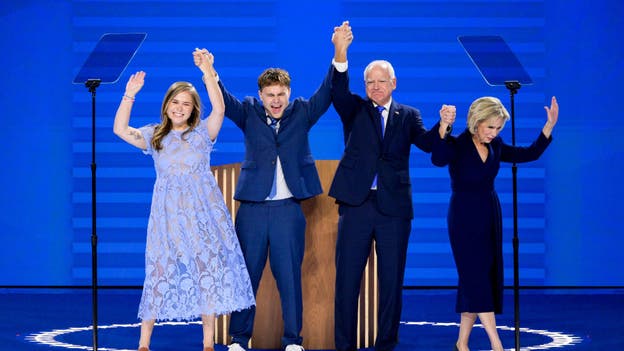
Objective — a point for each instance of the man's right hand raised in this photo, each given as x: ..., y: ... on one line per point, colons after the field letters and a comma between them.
x: 342, y: 38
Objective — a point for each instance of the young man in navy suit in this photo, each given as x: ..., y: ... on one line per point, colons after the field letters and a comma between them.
x: 277, y: 174
x: 372, y: 188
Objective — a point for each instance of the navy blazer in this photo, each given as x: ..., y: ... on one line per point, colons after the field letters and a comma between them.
x: 367, y: 154
x: 262, y: 146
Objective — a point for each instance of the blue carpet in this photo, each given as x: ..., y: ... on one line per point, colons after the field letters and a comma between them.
x: 575, y: 320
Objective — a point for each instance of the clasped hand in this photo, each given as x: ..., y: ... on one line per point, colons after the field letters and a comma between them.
x: 447, y: 114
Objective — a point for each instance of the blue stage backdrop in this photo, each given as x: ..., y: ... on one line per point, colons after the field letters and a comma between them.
x: 568, y: 200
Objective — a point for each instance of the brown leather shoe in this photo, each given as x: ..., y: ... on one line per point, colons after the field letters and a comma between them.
x: 143, y: 349
x: 208, y: 348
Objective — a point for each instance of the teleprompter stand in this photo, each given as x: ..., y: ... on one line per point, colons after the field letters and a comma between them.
x: 500, y: 67
x: 104, y: 65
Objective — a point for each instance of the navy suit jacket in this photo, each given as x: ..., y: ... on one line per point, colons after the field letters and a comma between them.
x: 262, y: 145
x: 367, y: 154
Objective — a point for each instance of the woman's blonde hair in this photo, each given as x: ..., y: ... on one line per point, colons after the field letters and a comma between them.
x: 165, y: 123
x: 483, y: 109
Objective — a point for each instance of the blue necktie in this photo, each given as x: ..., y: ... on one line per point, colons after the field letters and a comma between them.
x: 381, y: 119
x: 381, y: 124
x: 273, y: 123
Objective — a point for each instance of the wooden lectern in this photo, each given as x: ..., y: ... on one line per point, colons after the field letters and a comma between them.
x: 318, y: 276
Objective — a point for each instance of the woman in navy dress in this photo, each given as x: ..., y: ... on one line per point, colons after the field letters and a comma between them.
x: 474, y: 215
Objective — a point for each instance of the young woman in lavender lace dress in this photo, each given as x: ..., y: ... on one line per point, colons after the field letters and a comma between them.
x: 193, y: 262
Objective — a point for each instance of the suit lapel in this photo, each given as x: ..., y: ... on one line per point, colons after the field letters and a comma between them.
x: 394, y: 117
x: 393, y: 122
x: 286, y: 120
x: 374, y: 117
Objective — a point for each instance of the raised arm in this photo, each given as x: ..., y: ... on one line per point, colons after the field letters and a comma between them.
x: 342, y: 38
x: 534, y: 151
x: 447, y: 118
x: 552, y: 115
x: 121, y: 128
x: 204, y: 60
x: 344, y: 101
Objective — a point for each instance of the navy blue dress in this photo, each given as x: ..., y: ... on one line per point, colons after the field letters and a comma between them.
x: 474, y: 216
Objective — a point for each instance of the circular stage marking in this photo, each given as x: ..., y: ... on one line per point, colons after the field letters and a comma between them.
x: 558, y: 339
x: 48, y: 337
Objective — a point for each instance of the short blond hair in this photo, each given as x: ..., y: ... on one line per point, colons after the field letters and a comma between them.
x: 483, y: 109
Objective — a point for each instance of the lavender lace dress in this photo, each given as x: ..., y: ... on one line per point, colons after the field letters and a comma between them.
x: 193, y: 260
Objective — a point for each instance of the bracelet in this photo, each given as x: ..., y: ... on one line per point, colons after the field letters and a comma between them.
x: 128, y: 97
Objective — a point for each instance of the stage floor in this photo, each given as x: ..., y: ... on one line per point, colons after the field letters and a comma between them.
x: 562, y: 319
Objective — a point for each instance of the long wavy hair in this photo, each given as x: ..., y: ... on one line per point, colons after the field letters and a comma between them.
x: 165, y: 125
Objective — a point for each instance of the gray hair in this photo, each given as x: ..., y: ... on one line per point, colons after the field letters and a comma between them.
x: 383, y: 64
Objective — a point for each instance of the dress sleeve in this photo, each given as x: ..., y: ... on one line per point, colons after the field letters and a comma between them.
x: 443, y: 150
x: 202, y: 129
x: 522, y: 154
x: 148, y: 133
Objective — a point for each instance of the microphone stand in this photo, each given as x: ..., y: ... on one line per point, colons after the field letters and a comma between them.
x: 513, y: 87
x: 92, y: 84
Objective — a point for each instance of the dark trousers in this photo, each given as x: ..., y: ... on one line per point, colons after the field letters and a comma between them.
x: 274, y: 228
x: 358, y: 226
